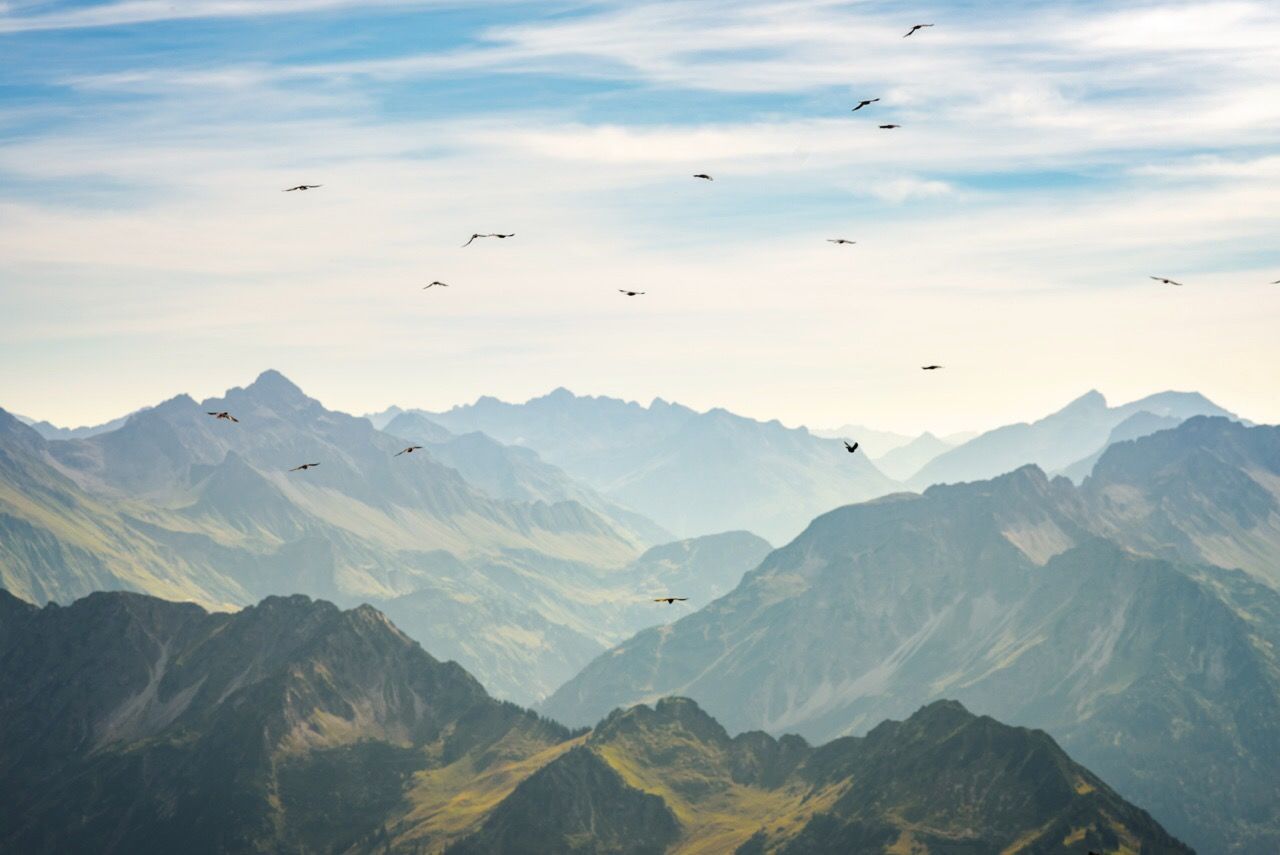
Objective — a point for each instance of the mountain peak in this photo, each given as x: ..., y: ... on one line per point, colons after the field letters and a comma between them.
x: 1091, y: 400
x: 275, y: 384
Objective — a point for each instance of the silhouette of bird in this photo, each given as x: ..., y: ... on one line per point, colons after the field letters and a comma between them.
x: 225, y: 415
x: 850, y: 448
x: 866, y: 103
x: 304, y: 467
x: 930, y: 367
x: 630, y: 293
x: 491, y: 234
x: 916, y: 27
x: 704, y: 176
x: 301, y: 187
x: 669, y: 600
x: 434, y: 284
x: 1166, y: 281
x: 410, y: 450
x: 840, y: 241
x: 889, y: 127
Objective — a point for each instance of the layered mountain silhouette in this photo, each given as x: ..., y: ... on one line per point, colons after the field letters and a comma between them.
x: 1064, y: 439
x: 1160, y: 672
x: 691, y: 472
x: 516, y: 575
x: 131, y: 724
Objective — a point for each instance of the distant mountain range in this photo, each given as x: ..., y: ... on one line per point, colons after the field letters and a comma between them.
x: 1162, y: 673
x: 133, y: 725
x: 1078, y: 431
x: 691, y: 472
x: 518, y: 573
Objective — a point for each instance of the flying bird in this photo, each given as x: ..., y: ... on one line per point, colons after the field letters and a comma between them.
x: 704, y: 176
x: 850, y: 448
x: 865, y: 103
x: 225, y: 415
x: 669, y: 600
x: 889, y: 127
x: 1166, y: 281
x: 930, y: 367
x: 304, y: 467
x: 630, y: 293
x: 301, y: 187
x: 916, y: 27
x: 840, y: 241
x: 410, y: 450
x: 434, y: 284
x: 491, y: 234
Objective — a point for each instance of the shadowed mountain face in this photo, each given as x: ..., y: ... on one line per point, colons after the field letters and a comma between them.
x: 1077, y: 431
x: 130, y: 724
x: 1161, y: 676
x: 692, y: 472
x: 522, y: 588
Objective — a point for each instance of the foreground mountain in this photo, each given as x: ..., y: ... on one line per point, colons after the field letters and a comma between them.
x: 1057, y: 441
x: 1164, y: 677
x: 693, y: 473
x: 178, y: 504
x: 130, y: 724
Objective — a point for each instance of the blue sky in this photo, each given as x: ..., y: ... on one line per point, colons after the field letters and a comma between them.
x: 1052, y: 157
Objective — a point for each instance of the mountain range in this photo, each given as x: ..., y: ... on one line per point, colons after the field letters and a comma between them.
x: 517, y: 575
x: 130, y: 724
x: 691, y: 472
x: 1152, y: 665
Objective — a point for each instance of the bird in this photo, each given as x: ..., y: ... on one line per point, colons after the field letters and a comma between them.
x: 491, y: 234
x: 840, y: 241
x: 669, y: 600
x: 304, y: 467
x: 225, y: 415
x: 1166, y: 281
x: 865, y: 103
x: 301, y: 187
x: 850, y: 448
x: 916, y: 27
x: 630, y: 293
x: 704, y: 176
x: 434, y: 284
x: 889, y: 127
x: 930, y: 367
x: 410, y: 450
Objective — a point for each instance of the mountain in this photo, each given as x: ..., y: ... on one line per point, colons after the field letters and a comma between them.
x: 903, y: 462
x: 1136, y: 426
x: 1161, y: 676
x: 130, y: 724
x: 48, y: 430
x: 1057, y: 441
x: 517, y: 474
x: 692, y: 473
x: 878, y: 442
x: 178, y: 504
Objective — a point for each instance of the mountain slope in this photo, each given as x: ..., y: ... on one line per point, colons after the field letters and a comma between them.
x: 130, y: 724
x: 517, y: 474
x: 693, y: 473
x: 179, y: 504
x: 1058, y: 440
x: 1159, y: 676
x: 903, y: 462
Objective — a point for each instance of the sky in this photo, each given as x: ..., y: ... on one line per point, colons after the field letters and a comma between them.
x: 1052, y: 156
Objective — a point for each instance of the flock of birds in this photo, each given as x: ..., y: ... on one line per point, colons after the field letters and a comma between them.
x: 849, y: 447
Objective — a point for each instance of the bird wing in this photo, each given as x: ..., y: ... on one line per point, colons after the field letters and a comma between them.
x: 233, y: 418
x: 473, y: 237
